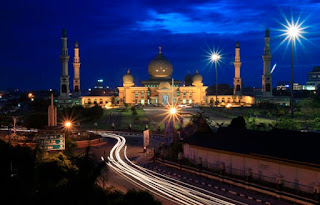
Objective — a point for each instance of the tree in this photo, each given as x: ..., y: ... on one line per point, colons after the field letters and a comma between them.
x: 134, y: 111
x: 238, y: 122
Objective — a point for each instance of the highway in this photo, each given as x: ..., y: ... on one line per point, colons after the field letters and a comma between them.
x: 169, y: 188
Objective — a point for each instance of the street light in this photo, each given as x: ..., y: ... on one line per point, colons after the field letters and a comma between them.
x: 293, y: 31
x: 215, y: 57
x: 173, y: 111
x: 67, y: 124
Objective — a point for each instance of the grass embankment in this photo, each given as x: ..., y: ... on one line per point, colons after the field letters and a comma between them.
x: 138, y: 121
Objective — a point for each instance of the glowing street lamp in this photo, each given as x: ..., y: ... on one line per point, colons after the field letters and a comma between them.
x: 173, y: 111
x: 215, y: 58
x: 68, y: 124
x: 293, y: 31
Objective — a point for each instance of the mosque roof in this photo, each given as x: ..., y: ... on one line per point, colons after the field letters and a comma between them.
x: 160, y: 66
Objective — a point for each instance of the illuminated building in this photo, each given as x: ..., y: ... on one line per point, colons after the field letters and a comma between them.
x: 313, y: 79
x: 161, y: 89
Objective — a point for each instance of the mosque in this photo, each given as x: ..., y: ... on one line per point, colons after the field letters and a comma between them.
x: 161, y: 88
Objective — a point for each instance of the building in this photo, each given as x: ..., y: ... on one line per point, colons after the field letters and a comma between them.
x: 159, y: 89
x: 313, y: 79
x: 286, y: 86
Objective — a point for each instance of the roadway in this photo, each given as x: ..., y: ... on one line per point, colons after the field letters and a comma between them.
x: 169, y: 188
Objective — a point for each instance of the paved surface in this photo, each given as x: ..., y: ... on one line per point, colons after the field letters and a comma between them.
x: 134, y: 152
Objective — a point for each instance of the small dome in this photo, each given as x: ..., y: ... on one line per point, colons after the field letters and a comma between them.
x: 164, y: 85
x: 197, y: 78
x: 128, y: 78
x: 160, y: 66
x: 188, y: 80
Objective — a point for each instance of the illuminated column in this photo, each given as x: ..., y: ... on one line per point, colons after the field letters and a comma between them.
x: 64, y: 58
x: 52, y: 114
x: 76, y: 67
x: 237, y: 84
x: 266, y: 77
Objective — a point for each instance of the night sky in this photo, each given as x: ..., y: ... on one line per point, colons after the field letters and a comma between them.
x: 114, y: 36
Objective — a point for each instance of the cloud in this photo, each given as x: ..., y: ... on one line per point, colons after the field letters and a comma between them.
x: 219, y: 18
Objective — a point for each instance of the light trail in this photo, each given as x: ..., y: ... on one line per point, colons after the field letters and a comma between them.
x: 166, y: 187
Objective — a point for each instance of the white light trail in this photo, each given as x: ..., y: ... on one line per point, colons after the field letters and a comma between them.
x: 169, y: 188
x: 274, y: 67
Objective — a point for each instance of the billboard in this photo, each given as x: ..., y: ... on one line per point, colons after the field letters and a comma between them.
x: 51, y: 142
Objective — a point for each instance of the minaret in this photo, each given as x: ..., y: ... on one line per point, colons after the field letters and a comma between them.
x: 64, y: 58
x: 237, y: 84
x: 266, y: 77
x: 76, y: 66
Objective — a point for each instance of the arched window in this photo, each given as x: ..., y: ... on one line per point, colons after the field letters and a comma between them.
x: 76, y: 89
x: 238, y: 88
x: 64, y: 88
x: 268, y: 87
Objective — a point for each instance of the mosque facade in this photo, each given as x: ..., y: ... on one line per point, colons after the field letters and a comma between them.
x: 159, y: 89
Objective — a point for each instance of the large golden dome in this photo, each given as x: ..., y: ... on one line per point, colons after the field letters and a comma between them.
x: 160, y: 66
x: 128, y: 78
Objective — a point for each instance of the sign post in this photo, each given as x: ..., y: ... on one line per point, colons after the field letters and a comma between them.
x: 52, y: 142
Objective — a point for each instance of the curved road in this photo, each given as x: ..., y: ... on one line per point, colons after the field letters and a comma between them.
x: 169, y: 188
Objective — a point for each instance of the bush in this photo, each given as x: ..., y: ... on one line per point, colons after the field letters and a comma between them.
x: 287, y: 124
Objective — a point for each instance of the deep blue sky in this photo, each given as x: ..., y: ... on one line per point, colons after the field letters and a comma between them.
x: 116, y: 35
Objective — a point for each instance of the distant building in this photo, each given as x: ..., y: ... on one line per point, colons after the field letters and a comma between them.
x: 313, y: 79
x: 286, y: 86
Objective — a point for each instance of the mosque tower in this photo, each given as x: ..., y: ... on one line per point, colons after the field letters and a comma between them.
x: 76, y: 66
x: 266, y: 77
x: 64, y: 58
x: 237, y: 84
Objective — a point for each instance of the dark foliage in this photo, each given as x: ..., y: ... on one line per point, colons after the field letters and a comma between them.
x: 238, y: 122
x: 43, y: 178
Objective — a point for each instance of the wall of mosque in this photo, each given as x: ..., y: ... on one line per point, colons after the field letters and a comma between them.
x: 234, y: 100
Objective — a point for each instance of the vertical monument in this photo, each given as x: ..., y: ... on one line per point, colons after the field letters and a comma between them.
x: 266, y: 77
x: 237, y: 83
x: 76, y: 66
x: 52, y: 114
x: 64, y: 58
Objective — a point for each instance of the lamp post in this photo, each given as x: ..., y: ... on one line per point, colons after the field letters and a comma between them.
x: 293, y: 31
x: 215, y: 57
x: 67, y: 125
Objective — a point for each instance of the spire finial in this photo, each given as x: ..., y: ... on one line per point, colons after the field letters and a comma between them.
x: 76, y: 45
x: 267, y: 32
x: 160, y: 48
x: 237, y: 44
x: 128, y: 71
x: 64, y: 33
x: 197, y: 71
